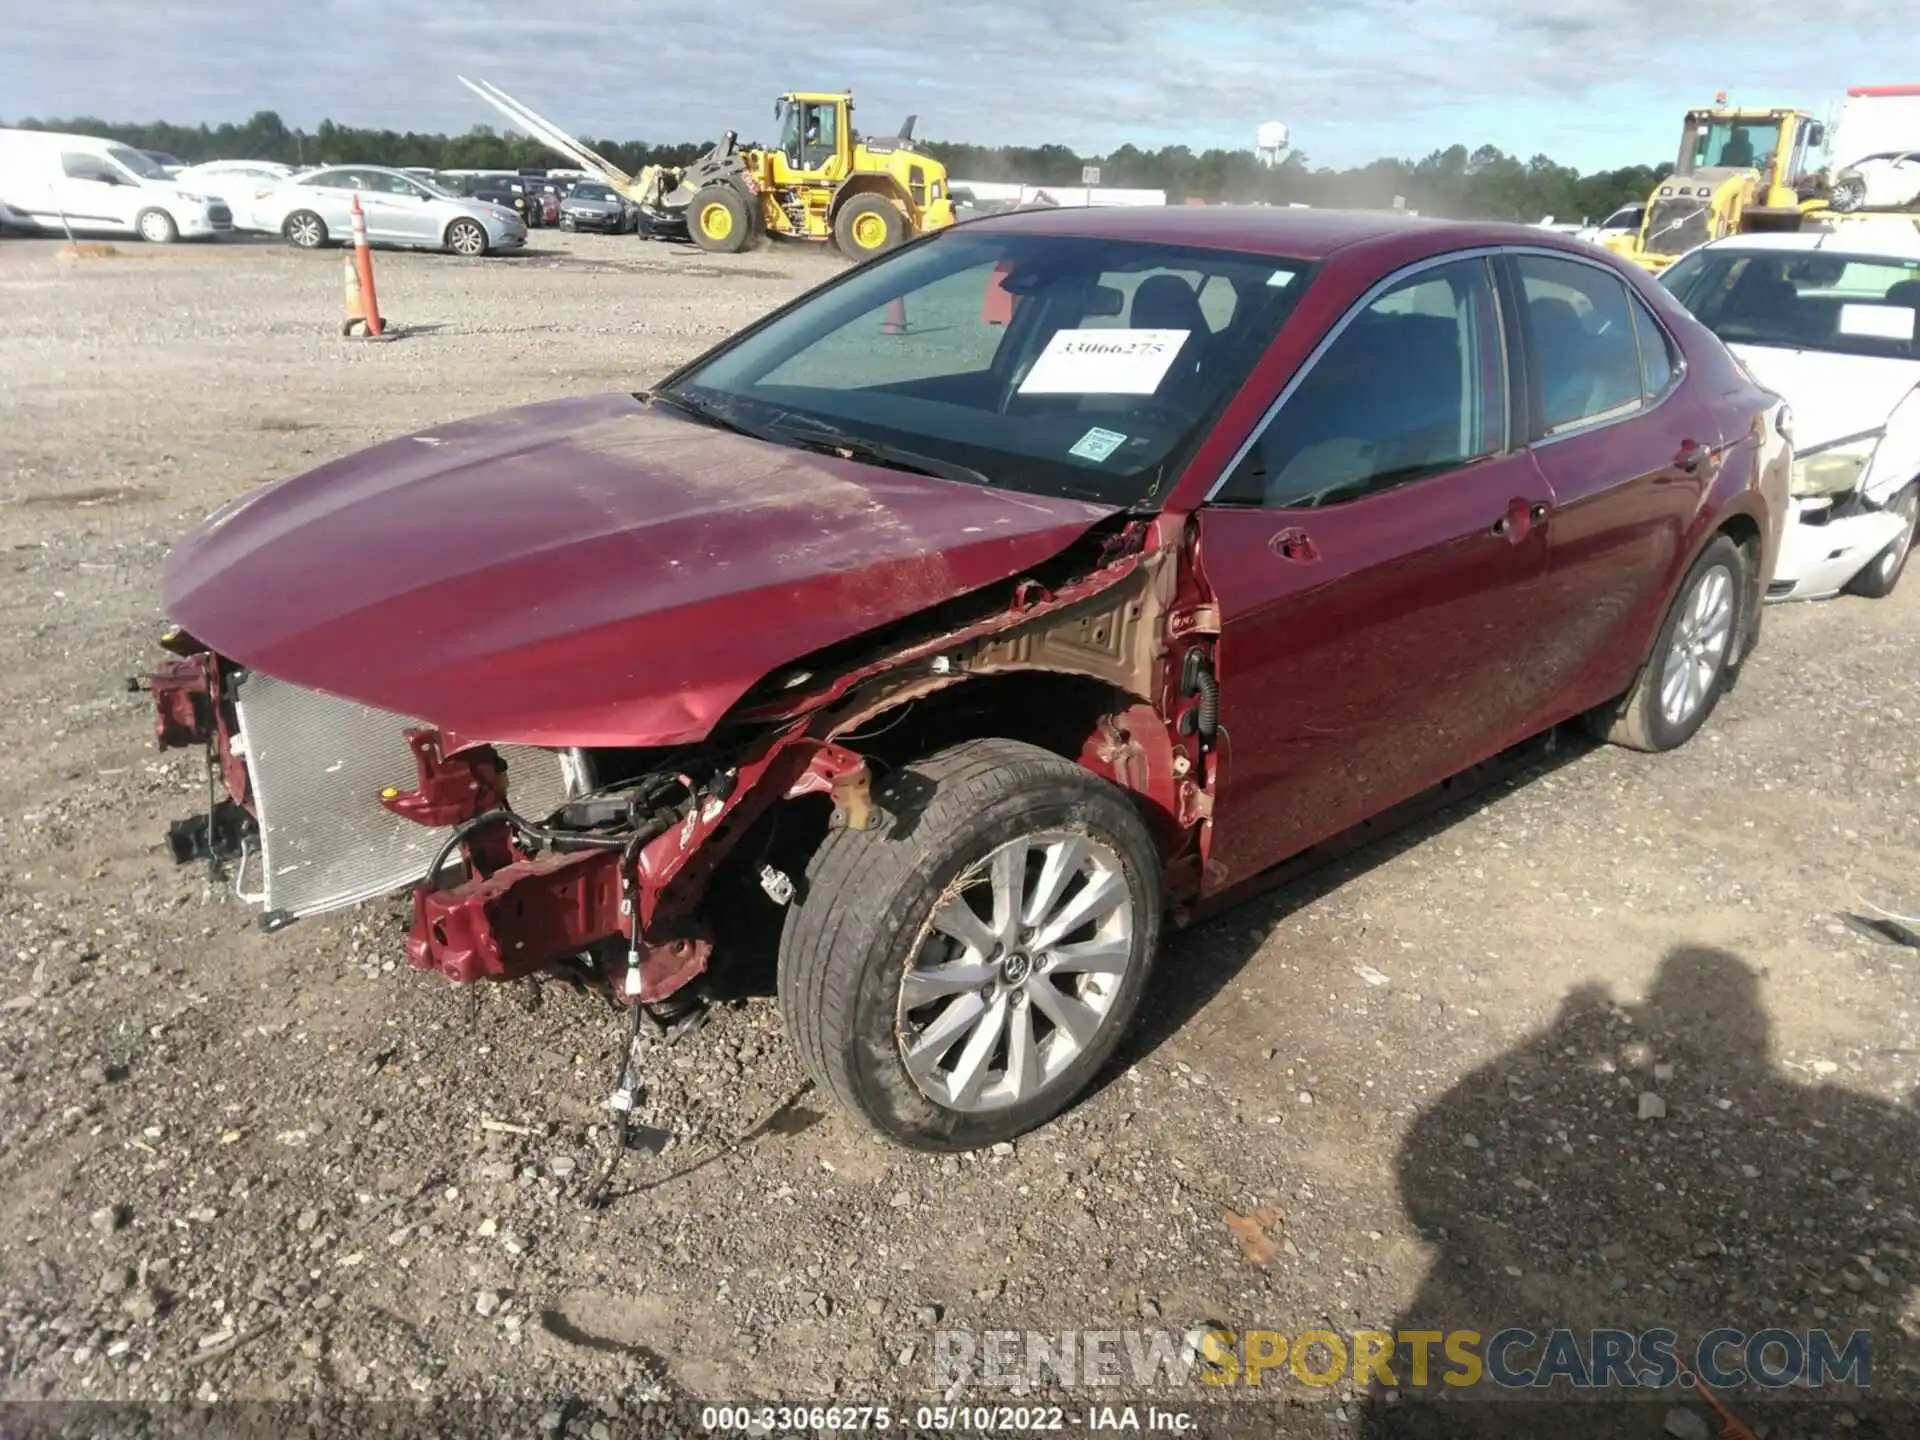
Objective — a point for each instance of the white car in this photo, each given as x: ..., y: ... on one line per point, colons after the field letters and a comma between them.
x: 1889, y: 181
x: 1622, y: 222
x: 243, y: 185
x: 1829, y: 321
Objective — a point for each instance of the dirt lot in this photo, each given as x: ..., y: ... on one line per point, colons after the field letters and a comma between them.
x: 234, y: 1165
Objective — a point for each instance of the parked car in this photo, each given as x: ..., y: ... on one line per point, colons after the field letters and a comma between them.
x: 54, y: 183
x: 315, y: 209
x: 1621, y: 223
x: 508, y: 192
x: 245, y: 187
x: 1828, y: 320
x: 591, y: 205
x: 1161, y: 546
x: 1888, y: 181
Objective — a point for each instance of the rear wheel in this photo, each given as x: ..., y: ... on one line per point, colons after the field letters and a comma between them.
x: 1876, y: 582
x: 959, y: 975
x: 156, y: 227
x: 720, y: 220
x: 305, y: 229
x: 1692, y: 658
x: 467, y: 237
x: 1849, y: 194
x: 868, y: 225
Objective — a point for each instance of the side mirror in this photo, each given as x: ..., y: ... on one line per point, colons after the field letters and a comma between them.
x: 1816, y: 135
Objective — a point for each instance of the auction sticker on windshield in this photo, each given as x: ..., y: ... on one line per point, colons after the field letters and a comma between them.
x: 1882, y: 322
x: 1103, y: 362
x: 1097, y: 444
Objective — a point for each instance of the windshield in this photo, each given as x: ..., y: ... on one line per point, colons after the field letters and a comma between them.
x: 142, y: 165
x: 1803, y: 300
x: 1730, y: 144
x: 591, y: 192
x: 1054, y: 364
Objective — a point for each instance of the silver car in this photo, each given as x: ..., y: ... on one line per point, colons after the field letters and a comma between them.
x: 315, y: 209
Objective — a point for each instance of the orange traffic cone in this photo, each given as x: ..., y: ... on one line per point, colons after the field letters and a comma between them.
x: 997, y: 306
x: 896, y: 321
x: 363, y: 304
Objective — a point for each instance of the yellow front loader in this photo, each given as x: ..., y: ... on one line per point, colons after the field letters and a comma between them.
x: 866, y: 196
x: 1739, y: 170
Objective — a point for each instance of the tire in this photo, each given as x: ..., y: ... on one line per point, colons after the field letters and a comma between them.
x: 1849, y: 194
x: 468, y: 238
x: 1641, y: 719
x: 868, y: 225
x: 868, y: 910
x: 156, y: 227
x: 720, y: 221
x: 1876, y: 582
x: 305, y: 229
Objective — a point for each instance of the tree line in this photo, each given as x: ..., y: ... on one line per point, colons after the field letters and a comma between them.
x: 1455, y: 182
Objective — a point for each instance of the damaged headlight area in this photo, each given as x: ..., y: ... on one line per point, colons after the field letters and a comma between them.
x: 1835, y: 468
x: 519, y: 858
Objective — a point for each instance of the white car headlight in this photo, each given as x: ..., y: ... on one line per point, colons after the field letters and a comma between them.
x: 1836, y: 468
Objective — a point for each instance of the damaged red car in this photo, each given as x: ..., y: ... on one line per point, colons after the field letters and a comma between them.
x: 974, y: 617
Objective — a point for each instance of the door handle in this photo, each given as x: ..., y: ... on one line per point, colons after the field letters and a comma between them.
x: 1691, y: 453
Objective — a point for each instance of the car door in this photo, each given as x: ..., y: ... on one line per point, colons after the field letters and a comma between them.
x: 329, y: 195
x: 411, y: 212
x: 1375, y: 554
x: 1627, y: 451
x: 89, y: 194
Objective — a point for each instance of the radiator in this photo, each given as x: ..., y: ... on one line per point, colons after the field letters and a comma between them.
x: 317, y: 766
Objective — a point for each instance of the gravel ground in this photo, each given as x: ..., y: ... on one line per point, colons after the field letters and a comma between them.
x: 1594, y: 1049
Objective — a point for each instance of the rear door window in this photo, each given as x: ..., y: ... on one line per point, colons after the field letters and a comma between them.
x: 1414, y: 385
x: 1583, y: 358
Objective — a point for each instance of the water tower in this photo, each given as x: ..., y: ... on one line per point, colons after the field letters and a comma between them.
x: 1270, y: 142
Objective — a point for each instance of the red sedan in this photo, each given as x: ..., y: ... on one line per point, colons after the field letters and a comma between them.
x: 973, y: 615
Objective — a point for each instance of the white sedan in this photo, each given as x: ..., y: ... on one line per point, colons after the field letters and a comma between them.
x: 244, y: 185
x: 1889, y: 181
x: 1829, y: 321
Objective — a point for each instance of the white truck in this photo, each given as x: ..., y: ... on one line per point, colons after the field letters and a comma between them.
x: 1873, y: 149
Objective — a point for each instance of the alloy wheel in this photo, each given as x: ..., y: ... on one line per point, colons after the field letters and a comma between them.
x: 1699, y: 645
x: 1021, y: 963
x: 466, y: 238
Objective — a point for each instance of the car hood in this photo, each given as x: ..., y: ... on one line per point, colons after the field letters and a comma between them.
x: 1832, y: 396
x: 585, y: 572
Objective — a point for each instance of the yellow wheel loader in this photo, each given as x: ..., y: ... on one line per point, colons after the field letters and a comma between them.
x: 820, y: 183
x: 1739, y: 170
x: 867, y: 196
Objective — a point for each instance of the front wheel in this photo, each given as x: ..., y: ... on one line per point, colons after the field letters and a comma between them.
x: 868, y: 225
x: 157, y: 228
x: 467, y: 237
x: 959, y: 975
x: 1876, y: 582
x: 1693, y: 656
x: 1849, y: 194
x: 720, y: 220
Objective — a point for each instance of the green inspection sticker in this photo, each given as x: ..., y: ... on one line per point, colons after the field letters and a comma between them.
x: 1097, y: 444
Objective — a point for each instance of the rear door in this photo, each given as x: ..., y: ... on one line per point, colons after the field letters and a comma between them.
x: 1376, y: 555
x: 1627, y: 450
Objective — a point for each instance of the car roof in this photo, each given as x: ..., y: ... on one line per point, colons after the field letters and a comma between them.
x: 1891, y: 238
x: 1286, y: 232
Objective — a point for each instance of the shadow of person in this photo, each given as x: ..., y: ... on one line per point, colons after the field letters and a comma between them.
x: 1635, y: 1168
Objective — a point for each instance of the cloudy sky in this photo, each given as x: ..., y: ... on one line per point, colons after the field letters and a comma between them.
x: 1593, y: 83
